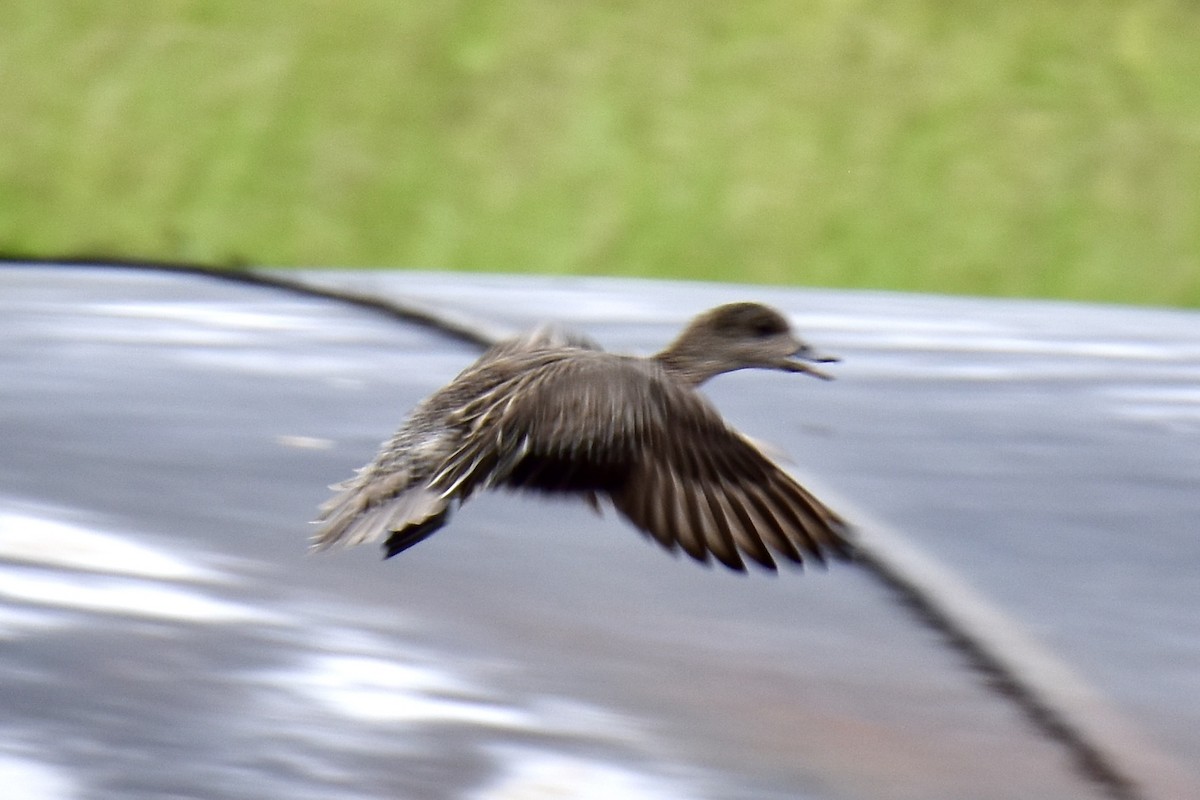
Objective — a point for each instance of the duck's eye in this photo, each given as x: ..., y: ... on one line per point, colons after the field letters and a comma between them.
x: 766, y: 329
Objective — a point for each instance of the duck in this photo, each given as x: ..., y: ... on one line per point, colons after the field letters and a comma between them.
x: 551, y: 412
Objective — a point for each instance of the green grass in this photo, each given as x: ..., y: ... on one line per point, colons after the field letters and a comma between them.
x: 1021, y: 148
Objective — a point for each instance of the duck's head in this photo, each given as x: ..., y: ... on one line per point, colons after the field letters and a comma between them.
x: 741, y: 336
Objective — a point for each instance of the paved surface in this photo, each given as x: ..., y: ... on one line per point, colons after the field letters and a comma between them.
x: 164, y: 634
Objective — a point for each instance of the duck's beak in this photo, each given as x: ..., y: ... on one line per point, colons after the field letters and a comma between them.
x: 800, y: 362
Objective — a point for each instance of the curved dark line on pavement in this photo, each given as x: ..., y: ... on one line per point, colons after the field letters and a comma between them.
x: 997, y: 677
x: 402, y: 312
x: 1088, y: 760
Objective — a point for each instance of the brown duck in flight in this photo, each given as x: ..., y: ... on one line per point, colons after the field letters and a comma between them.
x: 554, y: 413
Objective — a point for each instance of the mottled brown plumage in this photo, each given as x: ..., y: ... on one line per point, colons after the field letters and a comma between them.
x: 554, y: 413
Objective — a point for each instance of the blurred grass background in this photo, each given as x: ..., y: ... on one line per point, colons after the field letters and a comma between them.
x: 1021, y: 148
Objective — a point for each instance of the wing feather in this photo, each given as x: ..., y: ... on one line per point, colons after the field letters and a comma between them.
x: 695, y: 483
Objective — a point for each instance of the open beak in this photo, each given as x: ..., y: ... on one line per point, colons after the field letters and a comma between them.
x: 800, y: 362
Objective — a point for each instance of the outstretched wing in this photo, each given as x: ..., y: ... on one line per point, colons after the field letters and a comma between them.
x: 390, y: 499
x: 599, y: 423
x: 711, y: 491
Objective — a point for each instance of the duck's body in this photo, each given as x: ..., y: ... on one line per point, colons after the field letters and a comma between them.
x: 554, y: 413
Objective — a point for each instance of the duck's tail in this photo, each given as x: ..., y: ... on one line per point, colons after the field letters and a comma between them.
x: 374, y: 510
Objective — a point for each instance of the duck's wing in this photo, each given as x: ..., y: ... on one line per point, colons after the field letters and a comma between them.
x: 390, y: 498
x: 549, y: 336
x: 600, y: 423
x: 709, y: 490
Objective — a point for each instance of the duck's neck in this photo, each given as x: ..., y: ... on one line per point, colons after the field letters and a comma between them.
x: 688, y: 367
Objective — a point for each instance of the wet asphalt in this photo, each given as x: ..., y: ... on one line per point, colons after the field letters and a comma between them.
x: 163, y: 632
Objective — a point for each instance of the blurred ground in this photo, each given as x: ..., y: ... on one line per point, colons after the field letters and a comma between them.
x: 164, y: 633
